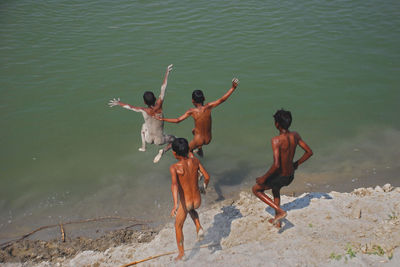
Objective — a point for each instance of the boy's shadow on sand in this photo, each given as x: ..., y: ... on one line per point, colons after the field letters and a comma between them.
x: 231, y: 177
x: 221, y: 228
x: 296, y: 204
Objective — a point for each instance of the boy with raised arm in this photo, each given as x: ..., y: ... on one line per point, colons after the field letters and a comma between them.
x: 184, y: 176
x: 281, y: 173
x: 152, y: 129
x: 202, y: 117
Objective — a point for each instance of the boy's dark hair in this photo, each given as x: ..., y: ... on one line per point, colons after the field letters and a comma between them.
x: 149, y: 98
x: 283, y: 118
x: 181, y: 147
x: 198, y: 96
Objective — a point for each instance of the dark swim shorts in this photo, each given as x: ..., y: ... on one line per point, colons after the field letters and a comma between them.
x: 277, y: 182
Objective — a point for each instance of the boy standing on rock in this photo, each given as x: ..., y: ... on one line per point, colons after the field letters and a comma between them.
x: 184, y: 176
x: 281, y: 173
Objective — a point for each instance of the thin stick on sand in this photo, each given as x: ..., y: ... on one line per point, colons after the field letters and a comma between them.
x: 62, y: 232
x: 166, y: 254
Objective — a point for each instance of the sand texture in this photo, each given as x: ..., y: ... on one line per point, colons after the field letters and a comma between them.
x: 361, y: 228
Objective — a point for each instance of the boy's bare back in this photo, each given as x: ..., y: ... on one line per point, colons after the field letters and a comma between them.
x: 286, y: 147
x: 186, y: 171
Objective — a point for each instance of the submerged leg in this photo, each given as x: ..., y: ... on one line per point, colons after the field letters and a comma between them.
x: 180, y: 219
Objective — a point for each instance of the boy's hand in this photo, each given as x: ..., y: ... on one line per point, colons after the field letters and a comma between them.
x: 296, y: 165
x: 173, y: 211
x: 169, y: 68
x: 235, y: 82
x: 158, y: 116
x: 203, y: 188
x: 113, y: 102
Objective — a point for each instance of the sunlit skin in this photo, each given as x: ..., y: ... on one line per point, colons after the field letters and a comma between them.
x: 152, y: 131
x: 283, y: 149
x: 184, y: 177
x: 201, y: 113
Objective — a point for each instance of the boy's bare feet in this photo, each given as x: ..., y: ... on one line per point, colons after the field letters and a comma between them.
x: 159, y: 155
x: 180, y: 256
x: 200, y: 234
x: 279, y: 217
x: 277, y: 225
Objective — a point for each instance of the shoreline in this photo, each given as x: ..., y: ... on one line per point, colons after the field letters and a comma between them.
x: 157, y: 210
x: 361, y: 227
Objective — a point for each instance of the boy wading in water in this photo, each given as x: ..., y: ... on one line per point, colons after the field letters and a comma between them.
x: 152, y: 129
x: 202, y: 117
x: 184, y: 176
x: 281, y: 173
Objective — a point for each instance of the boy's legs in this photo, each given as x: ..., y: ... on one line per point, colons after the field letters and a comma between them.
x: 167, y: 139
x: 179, y: 221
x: 200, y: 151
x: 277, y: 200
x: 258, y: 190
x: 194, y: 144
x: 195, y: 217
x: 277, y: 196
x: 143, y: 135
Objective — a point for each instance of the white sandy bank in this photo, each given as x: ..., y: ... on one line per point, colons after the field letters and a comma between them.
x: 361, y: 228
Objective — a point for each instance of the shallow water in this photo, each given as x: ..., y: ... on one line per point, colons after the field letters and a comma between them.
x: 66, y: 155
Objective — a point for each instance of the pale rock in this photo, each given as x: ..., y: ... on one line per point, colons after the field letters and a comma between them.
x: 387, y: 187
x: 361, y: 192
x: 379, y: 189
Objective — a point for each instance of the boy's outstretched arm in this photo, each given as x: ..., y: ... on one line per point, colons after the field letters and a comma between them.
x: 214, y: 104
x: 177, y: 120
x: 205, y: 174
x: 164, y: 85
x: 275, y: 166
x: 307, y: 154
x: 117, y: 102
x: 174, y: 189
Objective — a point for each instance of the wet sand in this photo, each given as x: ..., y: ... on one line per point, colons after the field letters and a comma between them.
x: 36, y: 251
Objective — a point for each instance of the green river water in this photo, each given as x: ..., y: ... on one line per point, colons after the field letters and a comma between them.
x: 66, y: 155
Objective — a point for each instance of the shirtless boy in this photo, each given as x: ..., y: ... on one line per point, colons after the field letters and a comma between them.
x: 281, y: 173
x: 202, y: 117
x: 152, y: 129
x: 184, y: 175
